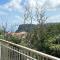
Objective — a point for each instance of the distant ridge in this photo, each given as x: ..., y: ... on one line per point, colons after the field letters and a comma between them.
x: 25, y: 27
x: 28, y: 27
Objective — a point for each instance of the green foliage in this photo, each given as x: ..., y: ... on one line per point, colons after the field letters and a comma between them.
x: 1, y: 32
x: 13, y: 38
x: 53, y: 29
x: 42, y: 38
x: 37, y: 38
x: 45, y: 39
x: 54, y: 45
x: 1, y: 36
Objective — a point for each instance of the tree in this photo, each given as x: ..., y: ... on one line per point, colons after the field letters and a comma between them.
x: 41, y: 29
x: 28, y: 14
x: 37, y: 38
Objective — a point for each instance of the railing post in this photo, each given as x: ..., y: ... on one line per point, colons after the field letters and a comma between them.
x: 4, y: 52
x: 0, y: 50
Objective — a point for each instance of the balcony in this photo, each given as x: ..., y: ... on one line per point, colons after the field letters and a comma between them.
x: 12, y: 51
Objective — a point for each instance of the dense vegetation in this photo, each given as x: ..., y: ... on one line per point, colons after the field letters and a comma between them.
x: 45, y: 39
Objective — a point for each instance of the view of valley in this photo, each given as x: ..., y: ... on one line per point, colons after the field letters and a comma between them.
x: 29, y: 29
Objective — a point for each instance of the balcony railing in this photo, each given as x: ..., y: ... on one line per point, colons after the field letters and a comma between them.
x: 12, y: 51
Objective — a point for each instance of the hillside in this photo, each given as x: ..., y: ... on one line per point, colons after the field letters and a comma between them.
x: 28, y: 27
x: 25, y: 27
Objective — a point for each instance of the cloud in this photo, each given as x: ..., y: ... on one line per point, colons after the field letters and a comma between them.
x: 2, y: 13
x: 55, y: 3
x: 13, y: 4
x: 33, y: 2
x: 16, y: 4
x: 11, y: 11
x: 49, y: 4
x: 54, y: 19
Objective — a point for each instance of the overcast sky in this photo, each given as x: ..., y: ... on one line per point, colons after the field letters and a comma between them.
x: 12, y: 10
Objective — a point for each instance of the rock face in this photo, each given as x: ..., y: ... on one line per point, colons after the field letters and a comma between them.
x: 18, y: 34
x: 25, y: 27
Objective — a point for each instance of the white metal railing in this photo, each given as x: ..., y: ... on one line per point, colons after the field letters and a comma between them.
x: 12, y: 51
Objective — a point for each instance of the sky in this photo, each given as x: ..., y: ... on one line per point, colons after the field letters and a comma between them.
x: 11, y: 11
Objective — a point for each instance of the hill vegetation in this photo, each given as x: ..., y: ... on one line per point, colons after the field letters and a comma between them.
x: 43, y: 39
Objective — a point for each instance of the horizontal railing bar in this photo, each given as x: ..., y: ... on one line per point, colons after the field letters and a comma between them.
x: 19, y: 52
x: 31, y: 50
